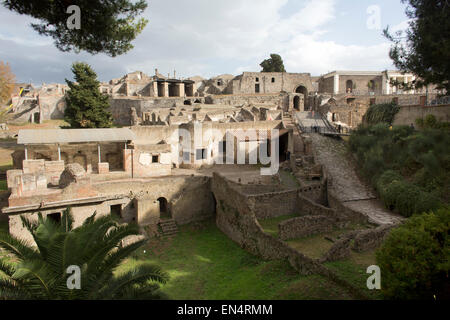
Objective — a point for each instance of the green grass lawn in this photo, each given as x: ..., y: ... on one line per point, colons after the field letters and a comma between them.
x: 317, y: 245
x: 354, y: 270
x: 270, y: 226
x: 204, y: 264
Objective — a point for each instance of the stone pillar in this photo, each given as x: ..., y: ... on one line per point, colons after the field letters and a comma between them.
x: 166, y: 89
x: 155, y: 89
x: 181, y: 89
x: 336, y: 84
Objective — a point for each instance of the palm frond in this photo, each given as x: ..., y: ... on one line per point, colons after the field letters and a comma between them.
x: 20, y: 248
x: 137, y: 276
x: 7, y: 267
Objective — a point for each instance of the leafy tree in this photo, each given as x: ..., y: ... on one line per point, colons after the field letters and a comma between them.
x: 7, y: 81
x: 274, y: 64
x: 105, y: 26
x: 96, y: 247
x: 424, y: 49
x: 86, y: 105
x: 415, y: 258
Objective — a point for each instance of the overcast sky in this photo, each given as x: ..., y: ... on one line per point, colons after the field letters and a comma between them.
x: 212, y: 37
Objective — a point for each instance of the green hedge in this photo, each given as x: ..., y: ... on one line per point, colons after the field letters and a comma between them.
x: 409, y: 169
x: 414, y: 259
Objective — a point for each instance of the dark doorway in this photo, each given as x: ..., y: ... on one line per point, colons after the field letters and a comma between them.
x: 161, y: 89
x: 37, y: 117
x: 55, y: 217
x: 302, y: 90
x: 284, y: 145
x: 116, y: 211
x: 115, y: 161
x: 164, y: 208
x: 297, y: 103
x: 257, y: 88
x: 174, y: 90
x: 187, y: 102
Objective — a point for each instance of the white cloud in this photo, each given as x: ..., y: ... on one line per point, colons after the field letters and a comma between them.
x: 203, y: 37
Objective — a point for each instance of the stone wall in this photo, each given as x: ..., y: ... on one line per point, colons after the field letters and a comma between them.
x: 359, y: 241
x: 280, y: 100
x: 274, y: 204
x: 189, y: 198
x: 305, y: 226
x: 236, y: 218
x: 409, y: 114
x: 271, y: 82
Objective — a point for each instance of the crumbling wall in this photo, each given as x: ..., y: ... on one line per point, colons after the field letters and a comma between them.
x: 359, y: 241
x: 236, y: 218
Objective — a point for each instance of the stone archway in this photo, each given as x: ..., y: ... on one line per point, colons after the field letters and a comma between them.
x: 302, y: 89
x: 349, y: 86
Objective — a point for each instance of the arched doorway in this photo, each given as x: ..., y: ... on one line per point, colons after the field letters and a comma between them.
x: 349, y: 86
x: 302, y: 89
x: 164, y: 208
x: 297, y: 103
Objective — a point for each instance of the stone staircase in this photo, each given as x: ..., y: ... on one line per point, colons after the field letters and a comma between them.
x: 168, y: 227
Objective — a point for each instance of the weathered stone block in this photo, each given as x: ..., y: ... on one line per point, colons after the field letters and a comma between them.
x: 103, y: 168
x: 34, y: 166
x: 41, y: 182
x: 73, y: 173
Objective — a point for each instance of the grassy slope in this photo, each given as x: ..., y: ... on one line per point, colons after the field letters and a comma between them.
x: 205, y: 264
x: 354, y: 270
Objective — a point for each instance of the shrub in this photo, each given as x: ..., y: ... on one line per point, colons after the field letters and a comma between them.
x: 409, y: 169
x: 430, y: 121
x: 414, y: 259
x: 381, y: 113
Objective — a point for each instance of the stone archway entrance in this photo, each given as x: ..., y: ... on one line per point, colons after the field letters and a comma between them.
x: 302, y: 89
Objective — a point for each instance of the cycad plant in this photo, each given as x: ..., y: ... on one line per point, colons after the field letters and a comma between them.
x: 96, y: 248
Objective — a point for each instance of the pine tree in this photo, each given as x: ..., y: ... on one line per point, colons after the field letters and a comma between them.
x: 105, y: 26
x: 424, y: 48
x: 274, y: 64
x: 86, y: 105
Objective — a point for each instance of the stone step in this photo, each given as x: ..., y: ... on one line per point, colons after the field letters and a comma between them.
x: 168, y: 227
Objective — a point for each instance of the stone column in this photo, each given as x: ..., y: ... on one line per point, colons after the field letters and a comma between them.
x: 336, y: 84
x: 181, y: 89
x: 166, y: 89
